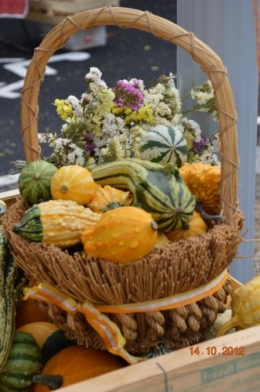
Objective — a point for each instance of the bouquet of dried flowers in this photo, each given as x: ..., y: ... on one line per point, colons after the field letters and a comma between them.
x: 108, y: 123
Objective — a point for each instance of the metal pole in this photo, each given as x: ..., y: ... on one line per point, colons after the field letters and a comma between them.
x: 228, y: 27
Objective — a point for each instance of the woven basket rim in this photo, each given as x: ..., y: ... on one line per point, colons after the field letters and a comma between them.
x: 161, y: 28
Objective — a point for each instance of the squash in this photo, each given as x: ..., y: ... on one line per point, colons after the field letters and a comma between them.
x: 163, y: 144
x: 124, y: 235
x: 245, y: 307
x: 23, y: 362
x: 159, y: 190
x: 12, y: 281
x: 40, y: 330
x: 34, y: 181
x: 3, y: 208
x: 108, y: 198
x: 57, y: 222
x: 203, y: 180
x: 78, y: 363
x: 196, y: 227
x: 28, y: 312
x: 73, y: 182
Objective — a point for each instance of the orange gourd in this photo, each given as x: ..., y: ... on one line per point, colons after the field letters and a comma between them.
x: 40, y: 330
x: 123, y: 235
x: 78, y: 363
x: 203, y: 181
x: 108, y: 198
x: 29, y: 312
x: 196, y: 227
x: 74, y: 183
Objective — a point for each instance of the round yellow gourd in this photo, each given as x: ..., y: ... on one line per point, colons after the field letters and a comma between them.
x: 74, y: 183
x: 124, y: 234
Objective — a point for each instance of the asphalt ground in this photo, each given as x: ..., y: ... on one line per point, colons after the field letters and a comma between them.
x: 128, y: 53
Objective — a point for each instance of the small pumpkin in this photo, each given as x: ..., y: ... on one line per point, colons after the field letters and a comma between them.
x: 40, y: 330
x: 73, y: 182
x: 35, y: 181
x: 108, y: 198
x: 245, y: 307
x: 124, y: 235
x: 29, y: 312
x: 78, y: 363
x: 196, y: 227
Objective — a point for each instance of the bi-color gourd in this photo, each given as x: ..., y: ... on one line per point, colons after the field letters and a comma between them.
x: 57, y: 222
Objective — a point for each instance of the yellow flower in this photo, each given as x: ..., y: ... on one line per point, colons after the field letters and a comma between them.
x: 63, y: 108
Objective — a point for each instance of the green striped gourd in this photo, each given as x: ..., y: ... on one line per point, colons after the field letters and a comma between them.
x: 23, y: 362
x: 157, y: 189
x: 35, y: 181
x: 163, y: 144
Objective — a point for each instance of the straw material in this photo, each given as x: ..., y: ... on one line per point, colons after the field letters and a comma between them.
x: 169, y: 270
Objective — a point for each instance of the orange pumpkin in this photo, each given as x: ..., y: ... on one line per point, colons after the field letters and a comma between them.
x: 40, y: 330
x: 197, y: 226
x: 74, y: 183
x: 29, y: 312
x: 78, y: 363
x: 108, y: 198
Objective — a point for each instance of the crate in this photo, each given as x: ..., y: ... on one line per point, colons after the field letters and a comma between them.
x: 54, y: 11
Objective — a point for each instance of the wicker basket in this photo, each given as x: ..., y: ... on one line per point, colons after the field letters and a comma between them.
x: 166, y: 272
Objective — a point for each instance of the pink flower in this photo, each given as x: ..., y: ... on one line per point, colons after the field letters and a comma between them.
x: 128, y: 94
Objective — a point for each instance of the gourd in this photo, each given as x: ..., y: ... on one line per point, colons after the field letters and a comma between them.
x: 40, y: 330
x: 28, y: 312
x: 245, y: 307
x: 35, y: 180
x: 157, y: 189
x: 57, y: 222
x: 124, y: 235
x: 74, y: 183
x: 78, y: 363
x: 11, y: 283
x: 163, y: 144
x: 203, y: 180
x: 108, y: 198
x: 23, y: 362
x: 196, y: 227
x: 3, y: 208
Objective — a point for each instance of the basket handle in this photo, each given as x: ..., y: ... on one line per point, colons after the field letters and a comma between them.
x: 161, y: 28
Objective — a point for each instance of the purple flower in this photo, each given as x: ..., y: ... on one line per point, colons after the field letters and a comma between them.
x: 201, y: 146
x: 90, y: 145
x: 128, y: 94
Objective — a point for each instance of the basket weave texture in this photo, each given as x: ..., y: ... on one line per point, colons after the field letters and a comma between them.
x: 171, y: 269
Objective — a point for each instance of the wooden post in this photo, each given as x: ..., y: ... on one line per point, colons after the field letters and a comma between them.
x: 228, y: 27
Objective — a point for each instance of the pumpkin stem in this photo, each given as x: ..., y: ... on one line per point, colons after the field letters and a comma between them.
x: 232, y: 323
x: 204, y: 215
x: 51, y: 381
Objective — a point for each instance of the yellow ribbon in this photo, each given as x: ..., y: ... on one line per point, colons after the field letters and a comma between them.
x: 108, y: 330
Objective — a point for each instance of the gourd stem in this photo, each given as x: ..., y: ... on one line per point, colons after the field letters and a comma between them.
x: 51, y: 381
x: 204, y: 215
x: 232, y: 323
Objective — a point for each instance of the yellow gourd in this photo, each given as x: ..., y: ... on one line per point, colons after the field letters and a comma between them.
x: 74, y: 183
x: 245, y: 307
x: 108, y: 198
x: 57, y: 222
x: 196, y: 227
x: 203, y: 181
x: 124, y: 235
